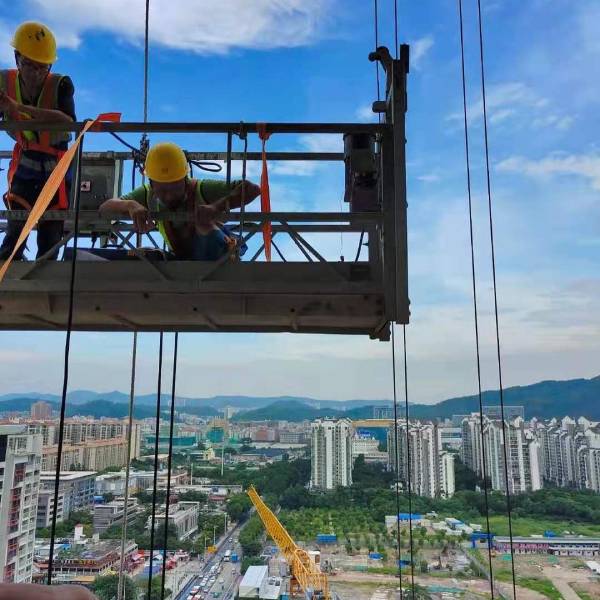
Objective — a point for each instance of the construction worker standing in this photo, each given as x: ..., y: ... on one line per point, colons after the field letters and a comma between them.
x: 31, y: 91
x: 170, y: 189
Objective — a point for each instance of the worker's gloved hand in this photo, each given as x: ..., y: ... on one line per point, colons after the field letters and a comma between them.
x: 7, y: 104
x: 140, y: 217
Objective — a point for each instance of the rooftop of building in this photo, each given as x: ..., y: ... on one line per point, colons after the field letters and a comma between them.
x: 66, y: 475
x: 12, y: 429
x: 254, y: 576
x: 550, y: 540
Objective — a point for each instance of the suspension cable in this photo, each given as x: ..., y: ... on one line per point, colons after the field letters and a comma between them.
x: 146, y: 57
x: 408, y: 461
x: 67, y: 352
x: 396, y: 460
x: 169, y: 463
x: 396, y: 46
x: 498, y: 353
x: 474, y: 291
x: 120, y: 589
x: 155, y: 480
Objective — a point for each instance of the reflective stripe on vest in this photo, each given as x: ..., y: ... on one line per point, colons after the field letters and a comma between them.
x: 48, y: 99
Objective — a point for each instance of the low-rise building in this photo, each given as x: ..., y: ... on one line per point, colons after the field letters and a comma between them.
x: 76, y: 486
x: 113, y: 513
x: 183, y: 516
x: 82, y: 563
x: 559, y: 546
x: 45, y: 507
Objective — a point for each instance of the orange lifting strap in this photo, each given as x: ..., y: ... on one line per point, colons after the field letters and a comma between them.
x: 265, y: 196
x: 53, y: 183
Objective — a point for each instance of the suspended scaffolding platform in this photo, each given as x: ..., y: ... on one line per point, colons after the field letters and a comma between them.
x: 141, y: 292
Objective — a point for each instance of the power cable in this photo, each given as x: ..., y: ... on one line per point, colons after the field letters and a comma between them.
x: 67, y: 351
x: 474, y: 291
x: 498, y: 353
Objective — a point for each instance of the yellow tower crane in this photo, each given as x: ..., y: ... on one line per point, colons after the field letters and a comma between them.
x: 304, y: 570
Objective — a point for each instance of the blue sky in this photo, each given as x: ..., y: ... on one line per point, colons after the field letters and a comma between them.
x: 306, y: 60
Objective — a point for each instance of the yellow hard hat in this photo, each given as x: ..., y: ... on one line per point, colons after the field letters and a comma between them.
x: 36, y: 42
x: 166, y: 162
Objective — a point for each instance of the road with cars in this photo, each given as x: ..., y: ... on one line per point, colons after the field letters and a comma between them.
x: 217, y: 577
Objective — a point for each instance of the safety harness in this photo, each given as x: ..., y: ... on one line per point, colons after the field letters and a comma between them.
x: 28, y: 140
x: 179, y: 239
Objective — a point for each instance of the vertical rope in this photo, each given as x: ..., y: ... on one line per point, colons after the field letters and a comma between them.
x: 121, y: 588
x: 155, y: 481
x: 498, y: 353
x: 396, y: 459
x: 408, y: 460
x: 376, y: 11
x: 63, y: 402
x: 169, y: 464
x: 146, y: 57
x: 396, y: 46
x: 474, y: 291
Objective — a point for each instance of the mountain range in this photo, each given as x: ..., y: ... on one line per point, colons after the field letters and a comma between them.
x: 546, y: 399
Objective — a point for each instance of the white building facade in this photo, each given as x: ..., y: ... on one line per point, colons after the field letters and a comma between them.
x: 20, y: 465
x: 331, y: 453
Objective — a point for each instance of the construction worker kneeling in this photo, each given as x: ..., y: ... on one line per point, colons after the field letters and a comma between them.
x: 171, y: 189
x: 31, y: 91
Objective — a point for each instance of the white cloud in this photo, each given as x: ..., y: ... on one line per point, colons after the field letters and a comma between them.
x: 419, y: 49
x: 579, y: 165
x: 562, y: 123
x: 365, y: 113
x: 517, y: 102
x: 322, y: 142
x: 202, y: 26
x: 428, y: 177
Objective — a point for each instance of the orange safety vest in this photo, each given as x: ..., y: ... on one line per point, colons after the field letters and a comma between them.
x: 48, y: 99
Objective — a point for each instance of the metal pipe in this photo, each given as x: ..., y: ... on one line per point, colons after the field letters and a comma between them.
x: 110, y: 155
x: 195, y: 127
x: 290, y: 217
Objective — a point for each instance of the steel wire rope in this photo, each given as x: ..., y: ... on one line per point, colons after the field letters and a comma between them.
x: 155, y: 478
x: 474, y: 292
x: 121, y: 585
x: 169, y: 464
x: 495, y: 291
x: 408, y: 461
x: 138, y: 159
x: 396, y: 457
x: 67, y: 352
x: 396, y: 460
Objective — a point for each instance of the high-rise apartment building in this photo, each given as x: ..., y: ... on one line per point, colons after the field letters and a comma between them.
x: 41, y: 410
x: 419, y: 456
x: 522, y: 453
x: 331, y: 453
x: 20, y: 465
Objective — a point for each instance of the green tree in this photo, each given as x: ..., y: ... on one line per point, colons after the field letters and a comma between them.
x: 249, y: 561
x: 106, y: 587
x: 155, y: 589
x: 238, y: 505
